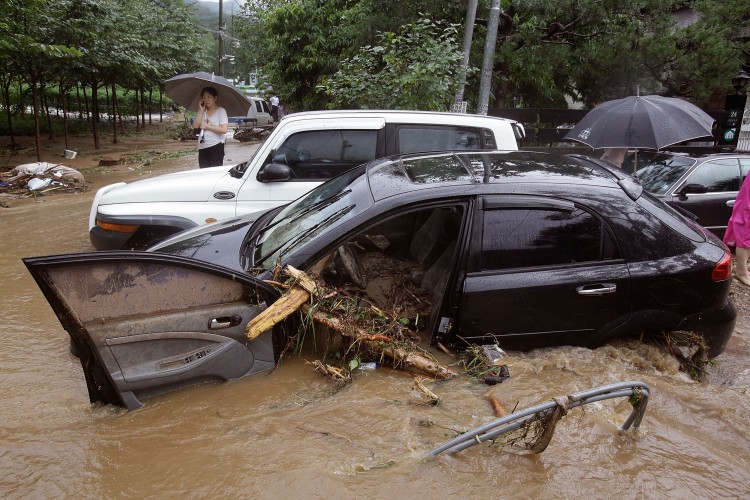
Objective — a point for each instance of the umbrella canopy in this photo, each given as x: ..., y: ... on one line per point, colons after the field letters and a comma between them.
x: 185, y: 90
x: 644, y: 122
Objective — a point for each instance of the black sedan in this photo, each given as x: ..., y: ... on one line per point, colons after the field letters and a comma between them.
x: 523, y: 249
x: 705, y: 186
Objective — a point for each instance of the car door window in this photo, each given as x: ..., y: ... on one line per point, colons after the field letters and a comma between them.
x: 717, y: 175
x: 258, y: 107
x: 322, y: 154
x: 423, y: 138
x: 521, y: 237
x: 744, y: 168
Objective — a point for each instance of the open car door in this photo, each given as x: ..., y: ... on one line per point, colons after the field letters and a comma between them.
x: 148, y: 323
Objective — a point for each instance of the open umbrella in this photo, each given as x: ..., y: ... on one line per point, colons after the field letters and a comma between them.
x: 185, y: 90
x: 642, y: 122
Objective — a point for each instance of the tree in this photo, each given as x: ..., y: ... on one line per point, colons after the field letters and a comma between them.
x: 416, y: 68
x: 29, y: 42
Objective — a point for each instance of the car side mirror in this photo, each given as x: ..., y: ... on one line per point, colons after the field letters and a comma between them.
x: 275, y: 172
x: 693, y: 188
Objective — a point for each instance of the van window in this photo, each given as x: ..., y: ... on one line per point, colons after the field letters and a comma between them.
x: 423, y: 138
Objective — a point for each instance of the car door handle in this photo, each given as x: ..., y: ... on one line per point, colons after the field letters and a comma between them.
x: 730, y: 203
x: 598, y: 289
x: 224, y: 322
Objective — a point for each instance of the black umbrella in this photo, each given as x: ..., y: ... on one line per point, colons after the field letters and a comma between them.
x: 185, y: 90
x: 642, y: 122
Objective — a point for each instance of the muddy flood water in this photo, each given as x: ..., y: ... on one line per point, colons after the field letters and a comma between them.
x: 291, y: 434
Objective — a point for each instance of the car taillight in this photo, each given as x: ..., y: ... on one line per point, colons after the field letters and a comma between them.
x: 723, y: 269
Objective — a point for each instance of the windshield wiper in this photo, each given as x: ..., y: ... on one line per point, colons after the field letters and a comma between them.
x: 315, y: 207
x: 301, y: 236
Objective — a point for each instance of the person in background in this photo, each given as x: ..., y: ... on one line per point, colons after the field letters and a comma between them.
x: 615, y: 155
x: 213, y: 123
x: 738, y: 232
x: 275, y: 107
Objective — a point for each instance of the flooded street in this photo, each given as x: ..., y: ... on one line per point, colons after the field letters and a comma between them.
x: 292, y: 434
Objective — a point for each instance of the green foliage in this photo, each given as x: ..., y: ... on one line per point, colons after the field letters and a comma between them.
x: 416, y: 68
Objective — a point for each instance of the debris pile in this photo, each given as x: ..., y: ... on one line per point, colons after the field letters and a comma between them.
x: 31, y: 179
x: 367, y: 331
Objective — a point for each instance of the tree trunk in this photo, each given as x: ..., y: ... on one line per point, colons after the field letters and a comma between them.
x: 150, y: 104
x: 95, y: 111
x: 37, y: 142
x: 114, y: 112
x: 143, y: 108
x: 64, y: 102
x: 6, y: 94
x: 45, y: 104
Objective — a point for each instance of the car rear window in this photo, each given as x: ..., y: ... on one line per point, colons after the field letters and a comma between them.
x: 671, y: 217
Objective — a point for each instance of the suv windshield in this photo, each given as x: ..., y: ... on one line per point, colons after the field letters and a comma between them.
x: 324, y: 207
x: 658, y: 172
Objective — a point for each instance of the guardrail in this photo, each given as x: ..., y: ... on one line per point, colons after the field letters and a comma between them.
x: 550, y: 412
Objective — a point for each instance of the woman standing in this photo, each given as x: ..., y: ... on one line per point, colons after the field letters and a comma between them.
x: 213, y: 122
x: 738, y: 232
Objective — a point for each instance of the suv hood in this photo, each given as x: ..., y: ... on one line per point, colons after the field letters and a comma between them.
x: 191, y: 185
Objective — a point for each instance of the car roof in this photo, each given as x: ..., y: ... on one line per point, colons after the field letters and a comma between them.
x: 414, y: 172
x: 400, y: 116
x: 701, y: 156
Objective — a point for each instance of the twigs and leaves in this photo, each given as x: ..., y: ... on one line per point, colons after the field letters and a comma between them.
x: 428, y: 397
x: 689, y: 348
x: 537, y: 433
x: 369, y: 332
x: 483, y: 363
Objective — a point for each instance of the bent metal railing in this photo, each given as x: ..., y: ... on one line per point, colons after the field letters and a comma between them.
x: 549, y: 413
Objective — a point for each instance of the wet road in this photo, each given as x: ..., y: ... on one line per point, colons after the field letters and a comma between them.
x: 291, y: 434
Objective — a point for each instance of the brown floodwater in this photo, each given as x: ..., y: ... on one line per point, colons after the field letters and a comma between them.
x: 291, y: 434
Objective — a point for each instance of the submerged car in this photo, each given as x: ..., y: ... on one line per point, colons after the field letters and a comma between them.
x: 522, y: 249
x: 705, y: 186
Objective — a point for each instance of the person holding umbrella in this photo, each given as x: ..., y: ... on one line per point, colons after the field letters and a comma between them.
x: 213, y: 122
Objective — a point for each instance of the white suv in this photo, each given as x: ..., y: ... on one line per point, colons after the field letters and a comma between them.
x: 304, y: 150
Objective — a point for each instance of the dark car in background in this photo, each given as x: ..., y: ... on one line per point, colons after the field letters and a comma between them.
x: 705, y: 186
x: 523, y: 249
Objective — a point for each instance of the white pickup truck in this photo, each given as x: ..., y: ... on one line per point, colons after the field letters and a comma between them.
x: 304, y: 150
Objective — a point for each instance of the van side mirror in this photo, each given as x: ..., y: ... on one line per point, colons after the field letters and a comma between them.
x: 275, y: 172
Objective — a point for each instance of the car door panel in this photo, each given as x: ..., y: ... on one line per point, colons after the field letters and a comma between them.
x: 139, y: 334
x: 722, y: 180
x: 532, y: 307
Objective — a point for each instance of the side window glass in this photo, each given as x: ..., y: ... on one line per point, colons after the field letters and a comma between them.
x: 541, y: 237
x: 258, y: 107
x: 718, y: 176
x: 322, y: 154
x: 744, y: 168
x: 489, y: 139
x: 419, y: 139
x: 264, y: 104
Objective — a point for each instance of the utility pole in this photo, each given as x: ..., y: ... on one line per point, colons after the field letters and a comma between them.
x: 221, y: 38
x: 471, y: 13
x: 489, y: 58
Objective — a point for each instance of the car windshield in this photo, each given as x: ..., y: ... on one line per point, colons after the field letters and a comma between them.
x: 657, y: 173
x: 322, y: 208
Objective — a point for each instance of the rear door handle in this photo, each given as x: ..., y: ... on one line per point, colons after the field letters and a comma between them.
x: 597, y: 289
x: 730, y: 203
x: 224, y: 322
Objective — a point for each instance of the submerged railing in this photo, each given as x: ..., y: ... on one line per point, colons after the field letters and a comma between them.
x: 549, y: 413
